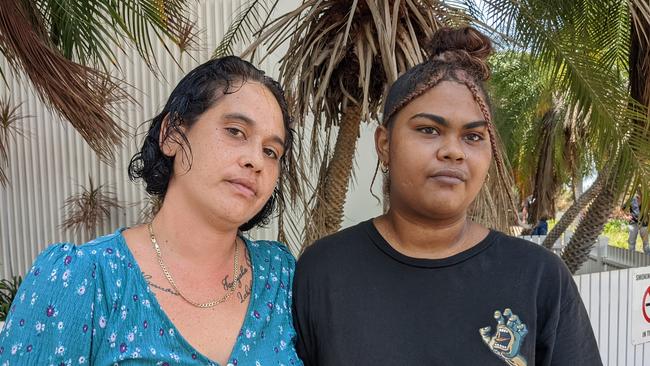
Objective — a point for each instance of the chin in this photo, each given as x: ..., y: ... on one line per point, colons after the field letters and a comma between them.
x: 443, y: 209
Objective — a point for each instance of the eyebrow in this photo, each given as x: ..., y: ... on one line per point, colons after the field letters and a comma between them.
x: 444, y: 122
x: 250, y: 122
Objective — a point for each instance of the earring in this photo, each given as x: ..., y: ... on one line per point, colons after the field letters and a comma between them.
x: 384, y: 167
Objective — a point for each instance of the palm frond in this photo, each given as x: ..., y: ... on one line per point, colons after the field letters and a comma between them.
x: 251, y: 17
x: 150, y: 210
x: 10, y: 130
x: 640, y: 13
x: 8, y: 290
x: 550, y: 32
x: 86, y: 210
x: 90, y: 32
x: 78, y: 93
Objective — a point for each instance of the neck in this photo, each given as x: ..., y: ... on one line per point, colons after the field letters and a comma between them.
x: 429, y: 238
x: 192, y: 237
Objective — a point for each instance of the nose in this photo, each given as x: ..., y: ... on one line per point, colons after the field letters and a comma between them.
x: 252, y: 158
x: 451, y: 149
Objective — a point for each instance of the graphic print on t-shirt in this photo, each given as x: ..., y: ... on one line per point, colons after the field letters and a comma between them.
x: 507, y: 339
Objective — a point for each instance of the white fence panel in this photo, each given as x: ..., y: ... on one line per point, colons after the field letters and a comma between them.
x: 603, y: 257
x: 607, y: 298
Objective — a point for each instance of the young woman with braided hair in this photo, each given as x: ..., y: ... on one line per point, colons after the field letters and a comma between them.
x: 431, y: 282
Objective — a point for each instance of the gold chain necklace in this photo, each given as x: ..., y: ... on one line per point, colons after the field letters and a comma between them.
x: 170, y: 279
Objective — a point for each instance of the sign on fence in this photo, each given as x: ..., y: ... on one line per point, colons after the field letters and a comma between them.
x: 640, y: 307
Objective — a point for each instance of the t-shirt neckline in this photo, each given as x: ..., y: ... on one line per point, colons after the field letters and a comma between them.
x: 382, y: 244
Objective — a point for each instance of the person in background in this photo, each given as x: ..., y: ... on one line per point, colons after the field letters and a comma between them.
x: 542, y: 226
x: 637, y: 227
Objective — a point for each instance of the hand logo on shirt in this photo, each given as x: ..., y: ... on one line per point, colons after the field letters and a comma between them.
x: 507, y: 339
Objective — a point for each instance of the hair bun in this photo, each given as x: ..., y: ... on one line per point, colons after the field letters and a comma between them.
x: 464, y: 46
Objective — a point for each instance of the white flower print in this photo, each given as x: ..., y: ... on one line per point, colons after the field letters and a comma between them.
x: 102, y: 322
x: 130, y: 337
x: 112, y: 337
x: 81, y: 290
x: 40, y: 327
x: 59, y: 350
x: 82, y: 360
x: 60, y: 326
x: 66, y: 275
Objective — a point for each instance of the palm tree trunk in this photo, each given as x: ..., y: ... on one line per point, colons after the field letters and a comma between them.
x: 326, y: 216
x: 545, y: 182
x: 639, y: 61
x: 577, y: 251
x: 573, y: 211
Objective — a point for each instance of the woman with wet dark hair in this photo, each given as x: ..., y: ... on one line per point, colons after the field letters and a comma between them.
x: 426, y: 283
x: 188, y: 287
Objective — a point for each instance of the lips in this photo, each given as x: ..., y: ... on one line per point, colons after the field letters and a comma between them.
x: 245, y: 186
x: 450, y: 176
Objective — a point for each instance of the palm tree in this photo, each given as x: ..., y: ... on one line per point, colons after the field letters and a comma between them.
x: 87, y: 210
x: 538, y: 130
x: 9, y: 130
x: 592, y: 48
x: 67, y: 49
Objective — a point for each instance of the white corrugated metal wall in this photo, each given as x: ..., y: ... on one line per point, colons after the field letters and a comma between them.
x: 52, y: 161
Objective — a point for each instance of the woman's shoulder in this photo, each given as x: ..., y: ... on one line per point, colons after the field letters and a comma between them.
x: 271, y: 251
x: 102, y: 250
x: 66, y: 264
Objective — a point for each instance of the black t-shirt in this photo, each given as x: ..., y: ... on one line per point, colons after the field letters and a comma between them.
x: 505, y: 301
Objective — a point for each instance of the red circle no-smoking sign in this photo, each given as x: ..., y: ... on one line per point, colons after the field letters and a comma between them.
x: 645, y: 306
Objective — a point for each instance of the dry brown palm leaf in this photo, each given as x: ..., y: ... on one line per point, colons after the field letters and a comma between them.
x: 80, y: 94
x: 9, y: 131
x: 87, y: 210
x: 153, y: 205
x: 639, y: 14
x: 341, y: 57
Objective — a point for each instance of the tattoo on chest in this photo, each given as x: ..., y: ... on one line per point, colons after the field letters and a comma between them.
x: 243, y: 289
x: 170, y: 291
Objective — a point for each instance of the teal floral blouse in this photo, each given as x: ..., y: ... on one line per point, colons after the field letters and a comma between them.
x: 90, y: 304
